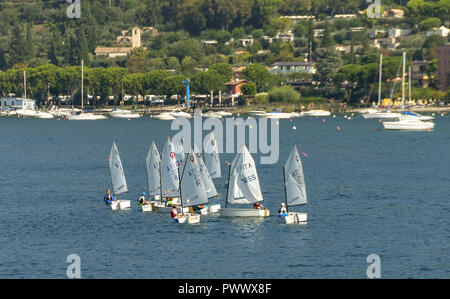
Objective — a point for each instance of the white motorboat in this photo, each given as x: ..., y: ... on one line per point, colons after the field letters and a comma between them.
x: 408, y: 124
x: 224, y: 113
x: 43, y: 115
x: 164, y: 116
x: 33, y: 113
x: 294, y: 188
x: 413, y: 115
x: 85, y: 116
x: 276, y: 113
x: 126, y: 114
x: 317, y: 112
x: 182, y: 114
x: 118, y: 181
x: 381, y: 115
x: 212, y: 114
x: 256, y: 112
x: 243, y: 187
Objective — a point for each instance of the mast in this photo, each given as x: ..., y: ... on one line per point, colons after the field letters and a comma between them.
x: 403, y: 80
x: 285, y: 193
x: 228, y: 185
x: 25, y: 84
x: 379, y: 80
x: 409, y: 83
x: 82, y: 81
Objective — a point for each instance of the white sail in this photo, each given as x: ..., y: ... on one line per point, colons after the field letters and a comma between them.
x: 118, y: 181
x: 169, y: 171
x: 243, y: 185
x: 209, y: 184
x: 212, y: 156
x: 294, y: 179
x: 152, y: 164
x: 179, y: 152
x: 192, y: 188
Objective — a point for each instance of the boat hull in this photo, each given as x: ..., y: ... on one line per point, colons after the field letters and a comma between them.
x: 207, y: 210
x: 188, y: 218
x: 244, y: 212
x: 411, y: 126
x: 295, y: 218
x: 125, y: 116
x: 121, y: 204
x: 381, y: 115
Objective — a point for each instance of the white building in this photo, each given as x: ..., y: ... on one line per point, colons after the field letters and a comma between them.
x: 442, y: 31
x: 397, y: 32
x: 17, y: 103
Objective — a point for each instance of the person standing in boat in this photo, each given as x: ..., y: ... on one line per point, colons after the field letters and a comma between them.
x: 109, y: 198
x: 282, y: 211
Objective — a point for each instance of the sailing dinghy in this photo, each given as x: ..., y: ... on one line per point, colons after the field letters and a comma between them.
x: 243, y: 187
x: 294, y: 187
x: 118, y: 180
x: 169, y: 179
x: 210, y: 189
x: 212, y: 160
x: 152, y: 165
x: 192, y: 190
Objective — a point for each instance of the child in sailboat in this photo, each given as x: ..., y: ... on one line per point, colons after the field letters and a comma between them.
x: 282, y: 211
x: 258, y: 206
x: 109, y: 198
x: 142, y: 201
x: 174, y: 211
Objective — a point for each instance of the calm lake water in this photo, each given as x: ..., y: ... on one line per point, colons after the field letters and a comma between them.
x: 370, y: 191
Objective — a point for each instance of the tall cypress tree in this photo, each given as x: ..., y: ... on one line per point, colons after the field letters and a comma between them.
x: 17, y: 46
x: 29, y: 45
x: 51, y: 54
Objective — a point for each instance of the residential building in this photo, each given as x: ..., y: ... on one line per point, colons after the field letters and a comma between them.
x: 17, y: 103
x: 234, y: 87
x: 132, y: 37
x: 397, y: 32
x: 285, y: 37
x: 444, y: 66
x: 419, y: 72
x: 442, y: 31
x: 294, y: 67
x: 245, y: 42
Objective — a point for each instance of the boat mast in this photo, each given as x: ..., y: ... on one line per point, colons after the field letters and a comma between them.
x: 25, y: 84
x: 409, y: 84
x: 228, y: 185
x: 403, y: 80
x: 379, y: 81
x: 82, y: 81
x: 285, y: 194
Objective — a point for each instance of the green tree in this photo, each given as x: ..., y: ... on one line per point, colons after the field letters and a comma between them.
x: 284, y: 94
x: 259, y: 75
